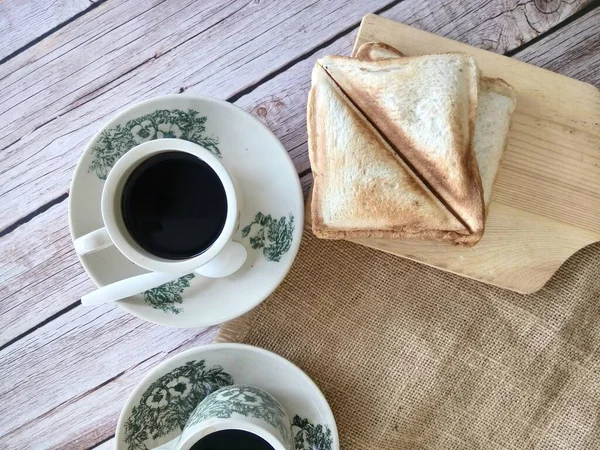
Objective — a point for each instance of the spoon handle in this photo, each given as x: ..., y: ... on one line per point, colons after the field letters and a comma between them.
x: 126, y: 288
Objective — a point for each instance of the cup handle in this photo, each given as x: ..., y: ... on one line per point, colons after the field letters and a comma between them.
x: 229, y: 260
x: 92, y: 242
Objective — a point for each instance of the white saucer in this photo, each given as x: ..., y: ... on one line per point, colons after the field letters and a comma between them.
x: 161, y: 404
x: 271, y: 213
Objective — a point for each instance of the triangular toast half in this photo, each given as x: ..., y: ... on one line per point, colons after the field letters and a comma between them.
x: 362, y: 188
x: 425, y: 108
x: 495, y: 105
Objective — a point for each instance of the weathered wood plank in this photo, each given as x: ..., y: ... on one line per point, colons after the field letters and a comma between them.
x: 497, y: 26
x: 280, y: 103
x: 22, y: 22
x: 574, y: 51
x: 64, y: 385
x: 37, y: 281
x: 57, y: 94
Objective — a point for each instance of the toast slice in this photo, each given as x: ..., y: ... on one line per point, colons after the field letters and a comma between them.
x: 362, y: 188
x: 375, y: 51
x: 425, y: 107
x: 496, y: 103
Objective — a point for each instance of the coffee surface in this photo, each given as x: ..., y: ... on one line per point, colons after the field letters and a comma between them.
x: 232, y: 440
x: 174, y: 205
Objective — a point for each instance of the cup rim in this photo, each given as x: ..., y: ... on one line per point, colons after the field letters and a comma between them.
x: 138, y: 255
x: 215, y: 425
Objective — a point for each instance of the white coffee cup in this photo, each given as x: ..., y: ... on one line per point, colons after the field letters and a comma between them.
x: 115, y: 232
x: 237, y: 407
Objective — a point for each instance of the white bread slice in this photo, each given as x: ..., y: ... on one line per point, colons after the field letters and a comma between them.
x: 362, y: 188
x: 496, y: 103
x: 425, y: 107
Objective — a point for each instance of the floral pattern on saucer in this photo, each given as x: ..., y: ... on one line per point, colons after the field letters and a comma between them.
x: 178, y: 385
x: 273, y: 236
x: 162, y: 123
x: 168, y: 402
x: 166, y: 296
x: 310, y: 436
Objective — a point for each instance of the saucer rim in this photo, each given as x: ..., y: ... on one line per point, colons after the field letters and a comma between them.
x: 316, y: 391
x: 293, y: 251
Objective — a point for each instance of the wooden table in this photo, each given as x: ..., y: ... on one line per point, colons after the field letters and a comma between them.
x: 67, y: 66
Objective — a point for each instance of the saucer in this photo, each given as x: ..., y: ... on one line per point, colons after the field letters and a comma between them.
x: 271, y: 207
x: 160, y: 405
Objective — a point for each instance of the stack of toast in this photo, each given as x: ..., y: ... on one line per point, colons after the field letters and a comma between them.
x: 404, y: 147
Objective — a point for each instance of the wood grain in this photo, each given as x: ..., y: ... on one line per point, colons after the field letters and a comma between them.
x: 497, y: 26
x: 24, y: 21
x: 574, y: 51
x: 546, y: 201
x: 38, y: 281
x: 78, y: 374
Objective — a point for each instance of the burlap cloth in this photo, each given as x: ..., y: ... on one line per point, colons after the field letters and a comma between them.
x: 411, y: 357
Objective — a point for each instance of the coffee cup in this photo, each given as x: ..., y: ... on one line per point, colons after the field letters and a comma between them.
x: 176, y: 224
x: 238, y: 416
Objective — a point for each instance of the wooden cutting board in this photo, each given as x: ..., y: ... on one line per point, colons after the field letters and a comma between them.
x: 546, y: 200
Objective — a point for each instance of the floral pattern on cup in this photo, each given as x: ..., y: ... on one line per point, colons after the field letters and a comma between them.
x: 162, y: 123
x: 274, y: 236
x: 166, y: 405
x: 167, y: 296
x: 311, y: 437
x: 246, y: 401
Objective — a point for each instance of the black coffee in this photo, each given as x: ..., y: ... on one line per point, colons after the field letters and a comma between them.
x: 174, y: 205
x: 232, y: 440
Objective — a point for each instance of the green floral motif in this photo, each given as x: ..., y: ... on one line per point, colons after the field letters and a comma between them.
x: 311, y: 437
x: 166, y: 296
x: 167, y: 404
x: 162, y: 123
x: 274, y: 236
x: 247, y: 401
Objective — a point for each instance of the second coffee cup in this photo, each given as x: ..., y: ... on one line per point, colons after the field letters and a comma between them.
x: 236, y: 417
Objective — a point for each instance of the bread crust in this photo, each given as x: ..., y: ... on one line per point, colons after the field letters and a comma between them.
x: 373, y: 51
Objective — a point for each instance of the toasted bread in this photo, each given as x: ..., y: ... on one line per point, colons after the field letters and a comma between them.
x: 375, y: 51
x: 425, y: 107
x: 362, y: 188
x: 496, y: 103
